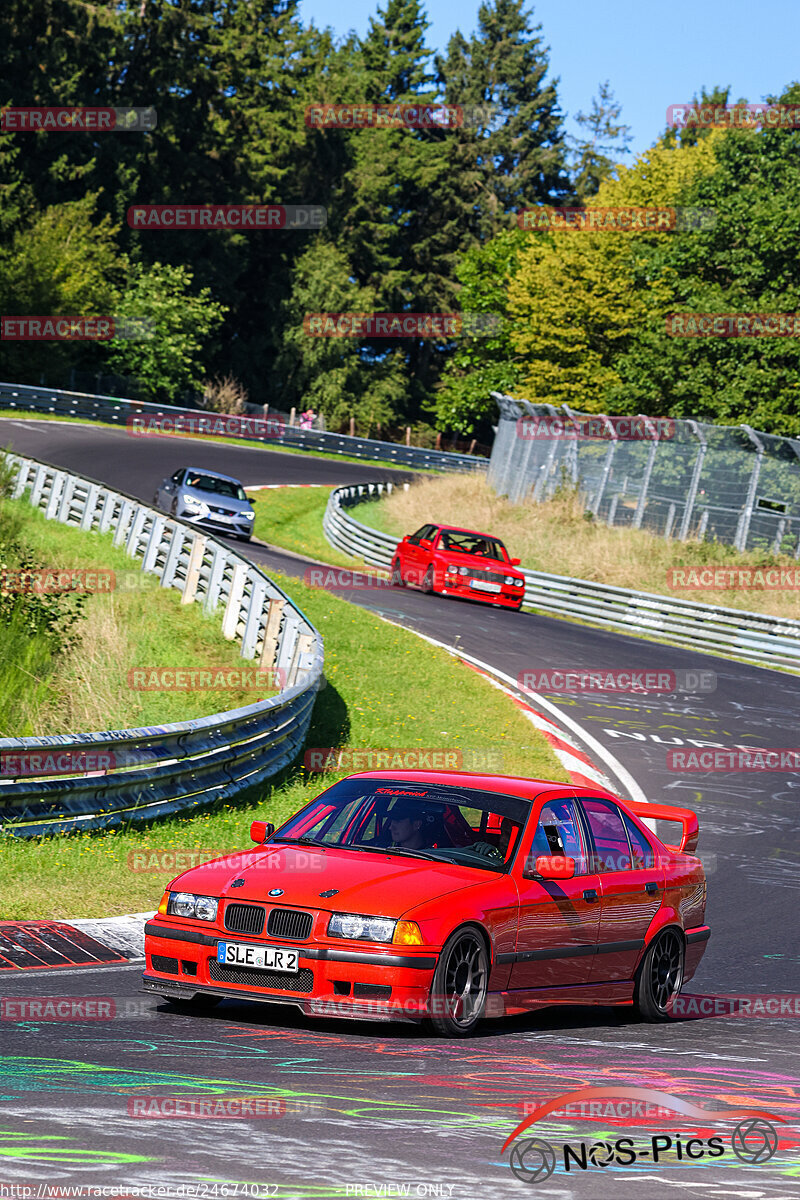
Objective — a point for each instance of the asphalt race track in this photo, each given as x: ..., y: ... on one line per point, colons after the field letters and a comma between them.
x: 370, y: 1109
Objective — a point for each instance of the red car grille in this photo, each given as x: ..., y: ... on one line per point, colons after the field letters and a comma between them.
x: 245, y: 918
x: 282, y: 981
x: 487, y: 576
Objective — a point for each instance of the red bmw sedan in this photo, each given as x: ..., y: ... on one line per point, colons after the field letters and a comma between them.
x: 459, y: 562
x: 444, y: 897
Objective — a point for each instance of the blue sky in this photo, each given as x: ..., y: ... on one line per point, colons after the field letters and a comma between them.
x: 653, y: 54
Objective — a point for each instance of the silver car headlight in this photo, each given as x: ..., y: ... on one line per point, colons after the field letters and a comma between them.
x: 248, y: 514
x: 463, y: 570
x: 451, y: 570
x: 193, y: 504
x: 201, y: 908
x: 519, y: 583
x: 365, y: 929
x: 509, y: 581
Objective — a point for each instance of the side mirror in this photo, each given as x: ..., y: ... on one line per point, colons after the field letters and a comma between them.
x: 515, y: 562
x: 426, y: 544
x: 261, y: 830
x: 251, y: 499
x: 550, y: 866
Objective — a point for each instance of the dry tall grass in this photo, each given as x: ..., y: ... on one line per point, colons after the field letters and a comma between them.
x: 560, y: 537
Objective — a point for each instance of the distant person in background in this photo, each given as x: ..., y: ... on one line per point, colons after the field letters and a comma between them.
x: 307, y: 419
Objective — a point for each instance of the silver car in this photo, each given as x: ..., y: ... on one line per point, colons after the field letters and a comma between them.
x: 207, y: 498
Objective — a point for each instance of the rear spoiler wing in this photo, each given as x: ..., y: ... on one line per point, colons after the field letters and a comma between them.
x: 690, y: 827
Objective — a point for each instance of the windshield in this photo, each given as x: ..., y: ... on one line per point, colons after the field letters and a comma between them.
x: 472, y: 543
x: 464, y: 825
x: 209, y: 483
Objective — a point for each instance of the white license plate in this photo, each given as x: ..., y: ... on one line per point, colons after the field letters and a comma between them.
x: 480, y: 586
x: 272, y: 958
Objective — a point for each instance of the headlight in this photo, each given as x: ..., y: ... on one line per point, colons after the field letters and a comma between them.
x: 463, y: 570
x: 509, y: 581
x: 184, y: 904
x: 451, y: 570
x: 248, y: 514
x: 365, y: 929
x: 193, y: 504
x: 519, y: 583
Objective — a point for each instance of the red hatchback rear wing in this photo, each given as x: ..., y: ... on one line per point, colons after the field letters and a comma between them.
x: 690, y: 828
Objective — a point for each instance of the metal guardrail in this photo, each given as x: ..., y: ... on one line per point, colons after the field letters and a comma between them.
x: 755, y: 637
x: 113, y: 411
x: 165, y: 769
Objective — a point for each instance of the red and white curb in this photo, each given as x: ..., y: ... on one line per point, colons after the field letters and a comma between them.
x: 82, y: 943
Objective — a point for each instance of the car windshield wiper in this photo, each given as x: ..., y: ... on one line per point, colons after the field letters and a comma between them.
x: 410, y: 853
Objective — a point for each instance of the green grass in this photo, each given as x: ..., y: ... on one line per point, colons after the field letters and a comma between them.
x: 30, y: 414
x: 146, y: 626
x: 292, y: 519
x: 385, y: 688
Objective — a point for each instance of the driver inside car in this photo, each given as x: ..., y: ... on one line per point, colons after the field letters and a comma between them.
x: 405, y: 827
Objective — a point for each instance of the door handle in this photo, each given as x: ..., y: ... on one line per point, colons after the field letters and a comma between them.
x: 651, y: 888
x: 589, y: 894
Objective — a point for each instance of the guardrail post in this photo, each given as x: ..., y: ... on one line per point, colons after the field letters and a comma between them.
x: 301, y: 648
x: 107, y: 512
x: 173, y: 556
x: 90, y: 506
x: 123, y: 520
x: 743, y: 526
x: 153, y: 543
x: 230, y: 621
x: 193, y: 569
x: 137, y: 526
x: 58, y: 479
x: 648, y: 471
x: 66, y: 499
x: 697, y: 471
x: 253, y: 619
x: 272, y: 629
x: 218, y: 562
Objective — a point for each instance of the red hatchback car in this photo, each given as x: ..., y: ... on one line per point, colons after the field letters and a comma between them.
x: 459, y: 562
x: 442, y: 896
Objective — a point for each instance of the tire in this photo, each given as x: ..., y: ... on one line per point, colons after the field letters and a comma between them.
x: 660, y: 976
x: 396, y: 578
x: 460, y: 983
x: 427, y: 582
x: 155, y: 501
x: 243, y: 537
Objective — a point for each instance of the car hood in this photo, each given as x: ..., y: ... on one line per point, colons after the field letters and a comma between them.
x: 479, y: 561
x: 217, y: 498
x: 368, y: 882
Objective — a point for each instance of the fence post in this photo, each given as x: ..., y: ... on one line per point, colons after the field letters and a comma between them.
x: 648, y: 471
x: 571, y: 455
x: 546, y: 468
x: 743, y: 527
x: 697, y: 471
x: 606, y: 465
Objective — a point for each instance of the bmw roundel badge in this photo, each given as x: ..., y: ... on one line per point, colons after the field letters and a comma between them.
x: 275, y: 892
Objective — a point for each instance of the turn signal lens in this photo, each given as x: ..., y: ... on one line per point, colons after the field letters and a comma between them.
x: 407, y: 933
x: 162, y: 908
